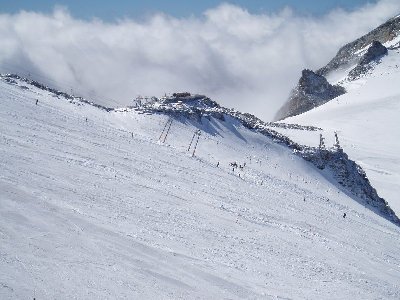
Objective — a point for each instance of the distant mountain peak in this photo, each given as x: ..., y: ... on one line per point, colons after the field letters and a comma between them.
x: 362, y: 55
x: 349, y: 53
x: 312, y: 90
x: 313, y: 83
x: 374, y: 53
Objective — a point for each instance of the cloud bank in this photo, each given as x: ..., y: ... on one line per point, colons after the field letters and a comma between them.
x: 242, y: 60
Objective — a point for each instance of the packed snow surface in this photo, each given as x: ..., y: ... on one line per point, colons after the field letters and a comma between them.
x: 94, y: 206
x: 368, y: 125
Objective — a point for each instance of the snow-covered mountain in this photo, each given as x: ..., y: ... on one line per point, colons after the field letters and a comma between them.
x: 366, y: 117
x: 355, y: 59
x: 181, y: 198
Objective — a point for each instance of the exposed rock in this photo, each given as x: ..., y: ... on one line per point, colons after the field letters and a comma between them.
x: 183, y: 94
x: 312, y: 90
x: 348, y: 53
x: 334, y: 162
x: 374, y: 54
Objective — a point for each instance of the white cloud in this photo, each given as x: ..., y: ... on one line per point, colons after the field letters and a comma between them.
x: 242, y: 60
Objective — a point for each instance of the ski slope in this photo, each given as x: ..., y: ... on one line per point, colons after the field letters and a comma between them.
x: 368, y: 125
x: 94, y: 206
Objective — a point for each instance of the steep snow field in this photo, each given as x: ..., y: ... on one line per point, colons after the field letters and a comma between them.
x: 368, y: 125
x: 93, y: 206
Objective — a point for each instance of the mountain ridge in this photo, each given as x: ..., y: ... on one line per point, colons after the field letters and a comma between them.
x: 96, y: 204
x: 366, y: 119
x: 359, y: 56
x: 346, y: 54
x: 198, y: 107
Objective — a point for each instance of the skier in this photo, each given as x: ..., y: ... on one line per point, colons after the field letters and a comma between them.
x: 344, y: 215
x: 37, y: 100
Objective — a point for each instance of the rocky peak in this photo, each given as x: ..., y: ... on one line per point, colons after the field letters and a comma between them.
x: 312, y: 90
x: 373, y: 54
x: 312, y: 83
x: 349, y: 53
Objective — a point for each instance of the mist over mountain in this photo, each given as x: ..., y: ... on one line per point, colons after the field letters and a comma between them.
x: 354, y: 59
x: 366, y: 112
x: 242, y: 60
x: 181, y: 197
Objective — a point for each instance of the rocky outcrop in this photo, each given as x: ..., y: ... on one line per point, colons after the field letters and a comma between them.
x: 374, y: 53
x: 334, y: 163
x: 312, y: 90
x: 348, y: 54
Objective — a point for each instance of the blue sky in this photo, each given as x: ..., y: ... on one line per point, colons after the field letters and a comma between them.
x: 111, y: 10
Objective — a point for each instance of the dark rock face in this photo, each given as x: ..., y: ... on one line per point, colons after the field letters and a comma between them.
x: 374, y: 54
x: 317, y: 85
x: 312, y: 90
x: 351, y: 177
x: 199, y: 101
x: 347, y: 54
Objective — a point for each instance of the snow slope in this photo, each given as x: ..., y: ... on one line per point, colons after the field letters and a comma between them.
x: 93, y: 206
x: 368, y: 125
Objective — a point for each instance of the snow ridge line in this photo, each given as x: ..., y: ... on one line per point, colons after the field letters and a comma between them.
x: 332, y: 162
x: 10, y: 78
x: 348, y: 174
